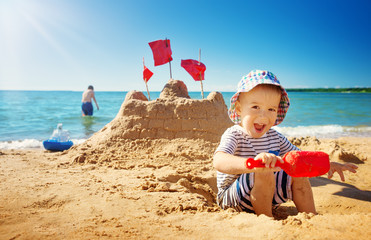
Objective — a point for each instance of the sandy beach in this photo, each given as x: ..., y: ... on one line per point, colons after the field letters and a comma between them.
x: 148, y: 174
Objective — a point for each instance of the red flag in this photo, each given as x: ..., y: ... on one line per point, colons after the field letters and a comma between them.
x: 147, y: 74
x: 161, y: 51
x: 195, y: 68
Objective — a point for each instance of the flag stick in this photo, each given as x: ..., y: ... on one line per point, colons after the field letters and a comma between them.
x: 199, y: 63
x: 202, y: 90
x: 171, y: 77
x: 149, y: 97
x: 145, y: 80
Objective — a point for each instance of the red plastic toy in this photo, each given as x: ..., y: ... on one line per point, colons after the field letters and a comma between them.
x: 299, y: 163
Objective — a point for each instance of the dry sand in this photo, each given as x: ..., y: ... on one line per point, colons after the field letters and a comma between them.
x: 148, y: 175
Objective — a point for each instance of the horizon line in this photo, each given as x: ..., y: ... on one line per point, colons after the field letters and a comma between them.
x: 287, y: 89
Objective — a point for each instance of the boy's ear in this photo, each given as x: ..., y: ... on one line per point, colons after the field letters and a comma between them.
x: 238, y: 107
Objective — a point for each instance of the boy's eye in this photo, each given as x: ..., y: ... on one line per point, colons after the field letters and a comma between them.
x: 273, y: 110
x: 255, y: 107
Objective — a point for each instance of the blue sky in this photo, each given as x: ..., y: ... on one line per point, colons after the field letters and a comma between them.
x: 70, y: 44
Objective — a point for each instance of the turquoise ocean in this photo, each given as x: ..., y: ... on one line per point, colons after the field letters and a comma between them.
x: 29, y: 117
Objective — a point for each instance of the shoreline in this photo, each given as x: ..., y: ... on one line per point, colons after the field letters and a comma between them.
x: 49, y: 195
x: 30, y: 144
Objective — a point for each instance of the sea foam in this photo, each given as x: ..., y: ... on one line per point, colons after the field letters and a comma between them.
x: 325, y: 131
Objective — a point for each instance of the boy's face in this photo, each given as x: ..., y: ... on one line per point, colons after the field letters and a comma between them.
x: 258, y: 110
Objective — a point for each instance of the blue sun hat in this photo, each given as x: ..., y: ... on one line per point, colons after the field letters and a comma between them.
x: 251, y: 80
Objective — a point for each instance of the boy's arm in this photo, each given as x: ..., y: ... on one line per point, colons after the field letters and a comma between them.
x: 96, y: 104
x: 340, y: 168
x: 230, y: 164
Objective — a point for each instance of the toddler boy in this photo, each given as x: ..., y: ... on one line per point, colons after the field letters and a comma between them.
x: 259, y: 104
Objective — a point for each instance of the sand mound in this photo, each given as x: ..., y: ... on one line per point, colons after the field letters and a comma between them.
x: 173, y: 137
x: 168, y: 130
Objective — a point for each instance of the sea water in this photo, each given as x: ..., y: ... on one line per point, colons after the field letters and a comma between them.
x: 29, y: 117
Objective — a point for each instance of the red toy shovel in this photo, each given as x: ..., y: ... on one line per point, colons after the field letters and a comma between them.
x: 299, y: 163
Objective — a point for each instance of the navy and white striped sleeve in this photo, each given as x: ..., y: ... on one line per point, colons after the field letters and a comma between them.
x: 228, y: 142
x: 285, y: 145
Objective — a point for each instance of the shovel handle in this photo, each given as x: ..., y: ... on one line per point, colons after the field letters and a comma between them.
x: 252, y: 163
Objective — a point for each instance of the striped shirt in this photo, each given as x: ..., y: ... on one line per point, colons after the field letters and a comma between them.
x: 237, y: 142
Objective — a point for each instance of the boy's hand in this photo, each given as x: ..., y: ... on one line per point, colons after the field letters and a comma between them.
x: 269, y: 159
x: 340, y: 168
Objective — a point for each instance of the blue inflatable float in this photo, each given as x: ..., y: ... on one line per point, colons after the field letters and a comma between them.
x: 54, y: 145
x: 59, y: 141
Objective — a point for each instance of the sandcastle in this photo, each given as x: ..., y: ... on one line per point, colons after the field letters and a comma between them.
x: 173, y: 115
x: 174, y: 125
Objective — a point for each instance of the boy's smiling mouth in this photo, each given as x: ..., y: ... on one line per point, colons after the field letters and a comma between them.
x: 259, y: 127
